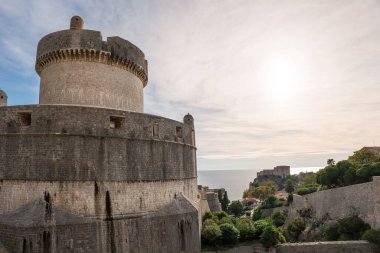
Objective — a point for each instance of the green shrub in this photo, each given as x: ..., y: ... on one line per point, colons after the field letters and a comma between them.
x: 331, y: 232
x: 353, y: 227
x: 271, y: 236
x: 246, y: 229
x: 209, y: 222
x: 236, y: 208
x: 210, y: 234
x: 278, y: 219
x: 207, y: 215
x: 295, y: 229
x: 220, y: 214
x: 228, y: 219
x: 304, y: 191
x: 272, y: 202
x: 256, y: 215
x: 230, y: 234
x: 345, y: 237
x: 290, y: 199
x: 372, y: 235
x: 210, y: 216
x: 259, y: 226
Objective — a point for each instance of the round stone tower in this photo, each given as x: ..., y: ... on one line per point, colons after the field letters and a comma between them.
x: 94, y: 172
x: 3, y: 98
x: 77, y: 67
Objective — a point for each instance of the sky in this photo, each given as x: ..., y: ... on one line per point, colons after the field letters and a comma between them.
x: 268, y: 82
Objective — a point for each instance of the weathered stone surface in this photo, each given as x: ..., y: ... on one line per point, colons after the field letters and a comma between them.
x: 3, y: 98
x: 77, y: 176
x: 358, y: 199
x: 328, y: 247
x: 77, y: 67
x: 77, y: 143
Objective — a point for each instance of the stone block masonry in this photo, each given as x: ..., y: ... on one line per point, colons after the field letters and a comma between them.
x: 86, y: 170
x: 359, y: 199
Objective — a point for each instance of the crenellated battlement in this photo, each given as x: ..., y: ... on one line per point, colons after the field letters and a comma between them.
x: 88, y: 46
x: 77, y: 67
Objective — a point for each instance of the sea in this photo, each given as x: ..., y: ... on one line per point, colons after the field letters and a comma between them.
x: 236, y: 181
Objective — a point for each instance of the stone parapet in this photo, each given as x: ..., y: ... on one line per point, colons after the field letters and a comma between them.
x: 53, y: 142
x: 87, y: 45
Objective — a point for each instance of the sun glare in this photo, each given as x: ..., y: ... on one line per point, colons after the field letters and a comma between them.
x: 281, y: 79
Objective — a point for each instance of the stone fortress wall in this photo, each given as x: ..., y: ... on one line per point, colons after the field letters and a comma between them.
x: 77, y: 67
x: 359, y: 199
x: 281, y: 171
x: 52, y: 142
x: 3, y: 98
x: 86, y: 170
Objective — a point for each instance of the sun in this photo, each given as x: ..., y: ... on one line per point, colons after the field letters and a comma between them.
x: 281, y: 79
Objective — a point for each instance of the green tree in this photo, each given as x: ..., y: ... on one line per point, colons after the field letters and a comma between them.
x: 225, y: 201
x: 230, y: 234
x: 362, y: 157
x: 289, y: 186
x: 278, y: 219
x: 260, y: 225
x: 271, y: 184
x: 246, y: 229
x: 228, y: 219
x: 295, y: 228
x: 256, y: 214
x: 210, y: 234
x: 271, y: 236
x: 261, y: 192
x: 372, y: 235
x: 220, y: 214
x: 330, y: 161
x: 236, y: 208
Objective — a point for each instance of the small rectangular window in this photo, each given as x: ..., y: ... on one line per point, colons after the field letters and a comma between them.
x: 25, y: 118
x: 178, y: 130
x: 155, y: 130
x: 116, y: 122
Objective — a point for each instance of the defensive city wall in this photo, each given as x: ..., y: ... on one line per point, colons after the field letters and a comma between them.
x: 333, y: 204
x: 86, y: 170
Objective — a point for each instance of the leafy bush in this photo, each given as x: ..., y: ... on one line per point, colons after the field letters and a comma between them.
x: 295, y: 228
x: 207, y: 215
x: 230, y: 234
x: 271, y: 236
x: 210, y: 222
x: 372, y: 235
x: 278, y: 219
x: 220, y: 214
x: 256, y: 215
x: 351, y: 228
x: 210, y: 234
x: 331, y: 232
x: 246, y: 229
x: 304, y: 191
x: 236, y: 208
x: 272, y: 202
x: 259, y: 226
x: 228, y: 219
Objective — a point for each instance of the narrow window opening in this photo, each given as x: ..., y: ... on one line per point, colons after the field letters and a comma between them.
x: 183, y: 239
x: 25, y: 118
x: 178, y: 131
x: 116, y: 122
x: 155, y: 131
